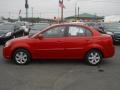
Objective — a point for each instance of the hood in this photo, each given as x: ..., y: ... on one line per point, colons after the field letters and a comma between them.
x: 19, y: 38
x: 17, y: 41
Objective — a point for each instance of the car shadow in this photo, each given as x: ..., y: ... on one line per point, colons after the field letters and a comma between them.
x: 60, y: 62
x: 57, y: 61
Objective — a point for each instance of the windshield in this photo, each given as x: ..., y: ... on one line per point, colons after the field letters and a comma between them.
x: 37, y: 27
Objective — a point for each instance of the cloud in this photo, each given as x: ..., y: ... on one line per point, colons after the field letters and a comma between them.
x: 49, y: 8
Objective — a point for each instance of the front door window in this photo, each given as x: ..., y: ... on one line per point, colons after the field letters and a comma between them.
x: 54, y: 32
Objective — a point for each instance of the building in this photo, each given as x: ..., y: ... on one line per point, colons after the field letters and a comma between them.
x: 85, y: 17
x: 113, y: 18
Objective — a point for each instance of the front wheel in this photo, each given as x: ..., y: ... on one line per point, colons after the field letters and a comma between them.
x: 21, y: 57
x: 94, y: 57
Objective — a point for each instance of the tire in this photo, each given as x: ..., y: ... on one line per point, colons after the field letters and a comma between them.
x: 21, y: 57
x: 94, y: 57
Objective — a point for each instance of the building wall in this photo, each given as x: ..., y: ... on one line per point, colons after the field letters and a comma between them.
x: 113, y: 18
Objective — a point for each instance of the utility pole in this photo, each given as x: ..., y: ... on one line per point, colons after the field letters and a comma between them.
x: 40, y: 14
x: 32, y: 14
x: 75, y: 13
x: 26, y: 6
x: 32, y: 11
x: 9, y: 15
x: 78, y: 11
x: 62, y: 11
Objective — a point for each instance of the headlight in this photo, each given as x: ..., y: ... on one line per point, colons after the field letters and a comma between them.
x: 110, y: 33
x: 7, y: 43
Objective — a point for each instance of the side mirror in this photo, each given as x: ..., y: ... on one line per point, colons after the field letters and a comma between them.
x: 40, y: 36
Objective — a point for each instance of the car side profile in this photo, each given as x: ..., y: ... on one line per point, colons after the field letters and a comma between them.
x: 62, y: 41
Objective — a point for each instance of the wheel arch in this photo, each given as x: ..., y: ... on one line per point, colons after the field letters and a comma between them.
x: 20, y: 48
x: 98, y: 49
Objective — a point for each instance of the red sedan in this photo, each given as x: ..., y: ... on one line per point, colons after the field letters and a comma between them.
x: 63, y: 41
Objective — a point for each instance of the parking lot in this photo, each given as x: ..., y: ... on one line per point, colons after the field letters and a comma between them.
x: 60, y: 75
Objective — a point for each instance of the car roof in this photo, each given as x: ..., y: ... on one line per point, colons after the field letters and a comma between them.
x: 69, y: 24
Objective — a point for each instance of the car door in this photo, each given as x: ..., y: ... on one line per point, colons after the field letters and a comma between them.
x: 76, y: 42
x: 52, y: 43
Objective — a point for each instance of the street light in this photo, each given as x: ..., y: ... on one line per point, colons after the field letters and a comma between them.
x: 78, y: 10
x: 26, y: 6
x: 62, y: 7
x: 62, y: 10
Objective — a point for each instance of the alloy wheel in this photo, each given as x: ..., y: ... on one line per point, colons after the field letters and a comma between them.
x: 94, y: 57
x: 21, y: 57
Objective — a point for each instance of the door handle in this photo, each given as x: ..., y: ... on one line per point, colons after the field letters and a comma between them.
x: 59, y: 41
x: 88, y: 40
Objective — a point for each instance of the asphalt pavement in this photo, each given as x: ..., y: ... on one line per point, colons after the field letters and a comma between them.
x: 60, y: 75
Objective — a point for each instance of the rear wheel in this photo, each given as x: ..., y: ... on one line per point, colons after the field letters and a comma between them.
x: 21, y: 57
x: 94, y: 57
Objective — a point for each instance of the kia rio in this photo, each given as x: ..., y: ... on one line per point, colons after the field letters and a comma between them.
x: 62, y: 41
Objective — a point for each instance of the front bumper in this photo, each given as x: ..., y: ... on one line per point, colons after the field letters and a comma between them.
x: 7, y: 53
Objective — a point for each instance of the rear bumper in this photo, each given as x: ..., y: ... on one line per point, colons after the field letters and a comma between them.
x: 109, y: 52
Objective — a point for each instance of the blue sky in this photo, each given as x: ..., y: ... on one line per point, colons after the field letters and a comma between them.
x: 49, y: 8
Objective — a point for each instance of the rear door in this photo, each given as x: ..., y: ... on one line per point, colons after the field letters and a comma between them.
x: 76, y: 42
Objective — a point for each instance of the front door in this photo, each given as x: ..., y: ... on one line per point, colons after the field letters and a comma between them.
x: 52, y: 44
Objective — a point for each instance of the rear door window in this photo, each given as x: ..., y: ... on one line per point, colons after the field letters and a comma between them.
x: 78, y: 31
